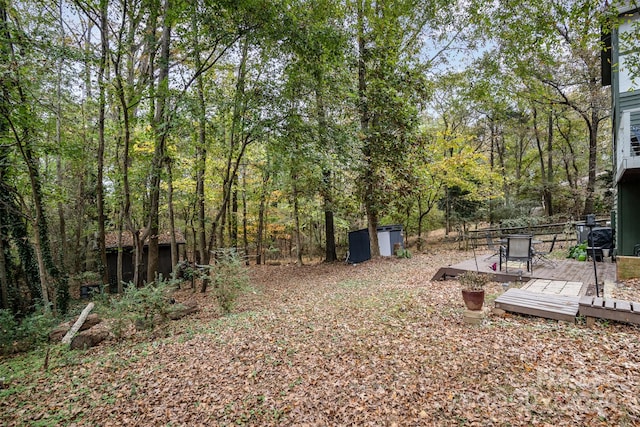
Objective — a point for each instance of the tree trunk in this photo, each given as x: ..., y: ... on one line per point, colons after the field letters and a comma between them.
x: 543, y: 173
x: 245, y: 237
x: 589, y: 201
x: 233, y: 217
x: 160, y: 126
x: 201, y: 151
x: 330, y: 247
x: 4, y: 282
x: 363, y: 109
x: 549, y: 188
x: 63, y: 245
x: 261, y: 219
x: 330, y: 254
x: 296, y: 218
x: 172, y: 222
x: 104, y: 43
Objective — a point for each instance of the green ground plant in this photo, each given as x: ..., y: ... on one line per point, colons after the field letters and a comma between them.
x: 230, y: 278
x: 23, y: 334
x: 143, y: 307
x: 578, y: 252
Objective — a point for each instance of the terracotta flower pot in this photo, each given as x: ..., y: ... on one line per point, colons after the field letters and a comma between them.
x: 473, y: 299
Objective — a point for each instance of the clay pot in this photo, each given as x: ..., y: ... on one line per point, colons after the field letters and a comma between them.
x: 473, y: 299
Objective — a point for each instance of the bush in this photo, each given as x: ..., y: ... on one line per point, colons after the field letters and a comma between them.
x: 144, y: 306
x: 578, y: 252
x: 230, y: 278
x: 23, y: 334
x: 403, y: 253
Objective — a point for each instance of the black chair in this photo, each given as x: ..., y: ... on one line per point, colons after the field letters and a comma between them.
x: 543, y: 256
x: 518, y: 248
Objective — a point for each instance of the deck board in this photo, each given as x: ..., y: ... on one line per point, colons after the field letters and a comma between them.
x: 558, y: 307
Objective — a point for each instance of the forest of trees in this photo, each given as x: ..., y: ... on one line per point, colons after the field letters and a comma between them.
x: 250, y: 123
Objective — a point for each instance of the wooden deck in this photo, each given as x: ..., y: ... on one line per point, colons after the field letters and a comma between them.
x: 552, y: 292
x: 565, y: 269
x: 558, y: 307
x: 556, y: 287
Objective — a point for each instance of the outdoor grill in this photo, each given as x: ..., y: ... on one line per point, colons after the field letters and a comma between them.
x: 598, y: 239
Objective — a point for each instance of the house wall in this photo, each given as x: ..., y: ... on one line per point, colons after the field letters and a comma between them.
x: 625, y: 81
x: 625, y: 97
x: 164, y: 265
x: 629, y: 101
x: 628, y: 233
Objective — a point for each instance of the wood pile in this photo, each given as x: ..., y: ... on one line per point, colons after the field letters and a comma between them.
x: 88, y: 330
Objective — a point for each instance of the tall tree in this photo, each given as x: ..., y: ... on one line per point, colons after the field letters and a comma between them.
x: 558, y: 44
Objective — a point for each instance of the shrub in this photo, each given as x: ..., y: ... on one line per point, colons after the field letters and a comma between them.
x: 578, y: 252
x: 403, y: 253
x: 230, y: 278
x: 23, y: 334
x: 471, y: 280
x: 144, y: 306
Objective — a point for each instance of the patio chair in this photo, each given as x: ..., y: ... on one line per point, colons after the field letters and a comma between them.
x: 495, y: 249
x: 543, y: 256
x: 518, y: 248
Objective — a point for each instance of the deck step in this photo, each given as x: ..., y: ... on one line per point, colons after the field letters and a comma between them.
x: 610, y: 309
x: 558, y: 307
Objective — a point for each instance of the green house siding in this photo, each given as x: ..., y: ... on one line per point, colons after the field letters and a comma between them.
x: 628, y: 233
x: 629, y: 101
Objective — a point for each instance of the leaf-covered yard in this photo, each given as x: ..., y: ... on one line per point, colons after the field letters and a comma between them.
x: 373, y: 344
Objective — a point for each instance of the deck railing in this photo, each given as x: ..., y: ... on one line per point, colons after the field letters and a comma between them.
x: 628, y: 146
x: 568, y: 233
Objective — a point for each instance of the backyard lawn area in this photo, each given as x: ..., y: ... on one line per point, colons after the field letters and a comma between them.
x: 334, y: 344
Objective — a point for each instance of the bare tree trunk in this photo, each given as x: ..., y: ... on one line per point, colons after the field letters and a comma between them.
x: 62, y: 247
x: 589, y: 200
x: 330, y: 246
x: 549, y: 188
x: 245, y: 237
x: 201, y: 156
x: 4, y: 282
x: 296, y: 217
x: 233, y: 218
x: 369, y: 179
x: 104, y: 43
x: 543, y: 173
x: 119, y: 267
x: 160, y: 126
x: 261, y: 219
x: 172, y: 222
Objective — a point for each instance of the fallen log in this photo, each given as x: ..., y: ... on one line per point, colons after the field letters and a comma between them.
x: 90, y: 337
x: 182, y: 310
x: 61, y: 330
x: 76, y: 326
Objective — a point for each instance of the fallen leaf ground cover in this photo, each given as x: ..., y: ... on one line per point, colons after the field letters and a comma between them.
x: 373, y: 344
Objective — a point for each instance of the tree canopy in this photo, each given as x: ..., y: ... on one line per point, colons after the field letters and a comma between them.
x: 275, y: 127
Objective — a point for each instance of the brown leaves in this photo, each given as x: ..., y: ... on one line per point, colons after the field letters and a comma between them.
x: 373, y: 344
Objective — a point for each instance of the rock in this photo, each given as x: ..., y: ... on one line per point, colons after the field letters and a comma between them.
x: 61, y: 330
x: 90, y: 337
